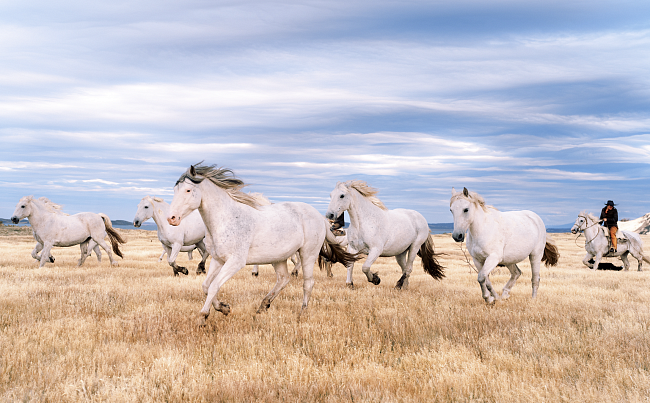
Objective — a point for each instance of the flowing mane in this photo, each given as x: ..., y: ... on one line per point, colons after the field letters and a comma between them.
x: 366, y: 191
x: 158, y: 199
x: 473, y: 197
x: 51, y: 206
x: 223, y: 178
x: 589, y: 216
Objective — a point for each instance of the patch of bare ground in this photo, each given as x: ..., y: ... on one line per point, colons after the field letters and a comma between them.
x: 129, y: 334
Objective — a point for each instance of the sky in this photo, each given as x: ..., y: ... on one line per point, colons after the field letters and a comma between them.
x: 536, y: 105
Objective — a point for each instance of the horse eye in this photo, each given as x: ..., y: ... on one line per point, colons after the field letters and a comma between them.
x: 466, y: 210
x: 342, y: 196
x: 146, y: 206
x: 22, y: 206
x: 188, y: 191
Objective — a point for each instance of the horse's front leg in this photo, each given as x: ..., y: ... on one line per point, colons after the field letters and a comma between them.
x: 213, y: 270
x: 256, y: 270
x: 489, y: 293
x: 282, y: 279
x: 586, y: 260
x: 515, y: 272
x: 45, y: 254
x: 597, y: 259
x: 171, y: 259
x: 373, y: 254
x: 230, y: 267
x: 350, y: 267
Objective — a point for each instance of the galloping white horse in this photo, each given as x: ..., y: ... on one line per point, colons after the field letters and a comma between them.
x: 376, y: 231
x: 56, y: 229
x: 500, y: 239
x: 184, y: 238
x: 597, y: 244
x: 56, y: 208
x: 240, y: 231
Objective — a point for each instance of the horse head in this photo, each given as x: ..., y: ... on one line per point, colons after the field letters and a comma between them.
x: 23, y: 209
x: 144, y: 212
x: 340, y: 200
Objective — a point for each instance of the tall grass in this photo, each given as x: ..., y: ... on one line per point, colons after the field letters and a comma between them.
x: 128, y: 333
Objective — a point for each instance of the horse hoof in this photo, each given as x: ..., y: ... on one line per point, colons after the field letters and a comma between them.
x: 183, y: 270
x: 375, y: 279
x: 175, y: 273
x: 224, y: 308
x: 202, y: 321
x: 52, y: 259
x: 293, y: 273
x: 255, y: 274
x: 350, y: 285
x: 266, y: 304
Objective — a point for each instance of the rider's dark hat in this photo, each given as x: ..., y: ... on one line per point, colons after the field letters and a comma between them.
x: 610, y: 203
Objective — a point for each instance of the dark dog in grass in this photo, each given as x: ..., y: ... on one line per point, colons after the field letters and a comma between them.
x: 607, y: 266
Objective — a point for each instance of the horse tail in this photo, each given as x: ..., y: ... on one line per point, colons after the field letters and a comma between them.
x: 551, y: 254
x: 429, y: 261
x: 114, y: 236
x: 333, y: 252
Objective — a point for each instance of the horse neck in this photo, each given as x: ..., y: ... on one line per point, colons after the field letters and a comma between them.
x: 592, y: 229
x: 360, y: 208
x: 216, y: 206
x: 38, y: 214
x: 160, y: 219
x: 480, y: 221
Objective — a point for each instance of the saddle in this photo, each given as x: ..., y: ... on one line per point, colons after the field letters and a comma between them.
x: 620, y: 237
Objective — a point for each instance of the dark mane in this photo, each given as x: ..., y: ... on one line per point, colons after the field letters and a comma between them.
x: 223, y: 178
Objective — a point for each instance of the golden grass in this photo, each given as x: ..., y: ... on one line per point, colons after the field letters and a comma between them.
x: 129, y: 333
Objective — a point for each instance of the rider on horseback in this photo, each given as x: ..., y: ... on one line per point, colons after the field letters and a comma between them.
x: 609, y: 215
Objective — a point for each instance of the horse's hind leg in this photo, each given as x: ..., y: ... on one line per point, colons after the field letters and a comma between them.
x: 295, y: 259
x: 638, y: 255
x: 282, y: 279
x: 98, y: 251
x: 84, y: 252
x: 204, y: 256
x: 535, y: 266
x: 256, y: 270
x: 403, y: 282
x: 515, y: 272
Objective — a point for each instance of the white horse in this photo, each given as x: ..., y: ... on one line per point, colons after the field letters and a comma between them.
x: 183, y: 238
x: 597, y: 243
x: 241, y: 231
x: 500, y: 239
x: 56, y: 208
x: 56, y: 229
x: 376, y: 231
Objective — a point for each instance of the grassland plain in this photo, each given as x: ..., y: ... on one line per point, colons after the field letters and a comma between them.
x: 129, y: 334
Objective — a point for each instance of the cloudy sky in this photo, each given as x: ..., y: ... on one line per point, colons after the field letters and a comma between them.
x: 540, y: 105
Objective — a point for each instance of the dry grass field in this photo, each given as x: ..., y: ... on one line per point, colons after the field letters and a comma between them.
x: 129, y: 334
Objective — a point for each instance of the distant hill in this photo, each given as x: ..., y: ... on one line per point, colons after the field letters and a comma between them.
x: 640, y: 225
x: 121, y: 222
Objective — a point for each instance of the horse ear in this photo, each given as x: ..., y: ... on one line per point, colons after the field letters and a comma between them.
x: 465, y: 192
x: 453, y: 191
x: 192, y: 170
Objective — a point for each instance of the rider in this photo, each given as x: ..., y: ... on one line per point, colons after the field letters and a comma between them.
x: 609, y: 215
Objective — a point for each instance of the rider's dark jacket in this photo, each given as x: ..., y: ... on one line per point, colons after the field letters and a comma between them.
x: 611, y: 215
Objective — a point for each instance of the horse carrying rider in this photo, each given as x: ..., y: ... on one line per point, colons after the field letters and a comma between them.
x: 609, y: 215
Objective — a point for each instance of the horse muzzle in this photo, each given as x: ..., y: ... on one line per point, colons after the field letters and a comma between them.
x: 330, y: 216
x: 137, y: 224
x: 174, y: 220
x: 15, y: 220
x: 458, y: 237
